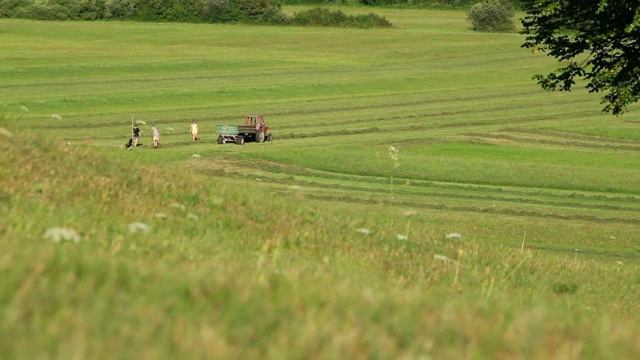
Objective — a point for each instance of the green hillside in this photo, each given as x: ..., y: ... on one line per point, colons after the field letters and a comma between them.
x: 422, y: 197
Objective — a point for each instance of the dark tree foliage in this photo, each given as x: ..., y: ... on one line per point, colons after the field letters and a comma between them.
x: 596, y: 41
x: 324, y: 17
x: 266, y: 12
x: 492, y: 15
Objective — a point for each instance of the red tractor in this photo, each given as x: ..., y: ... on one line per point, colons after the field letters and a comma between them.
x: 252, y: 129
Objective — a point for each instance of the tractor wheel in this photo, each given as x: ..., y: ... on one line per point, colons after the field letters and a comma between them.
x: 220, y: 139
x: 259, y: 136
x: 269, y: 138
x: 240, y: 140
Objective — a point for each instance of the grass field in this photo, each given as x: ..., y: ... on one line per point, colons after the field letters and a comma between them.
x: 422, y: 197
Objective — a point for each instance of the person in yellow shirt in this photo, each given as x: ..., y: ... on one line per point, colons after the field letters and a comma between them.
x: 194, y: 130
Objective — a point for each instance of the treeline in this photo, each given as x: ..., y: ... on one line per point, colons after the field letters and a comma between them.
x: 188, y: 11
x: 406, y: 3
x: 143, y: 10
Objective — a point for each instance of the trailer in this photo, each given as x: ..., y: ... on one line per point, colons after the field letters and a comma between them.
x: 253, y: 129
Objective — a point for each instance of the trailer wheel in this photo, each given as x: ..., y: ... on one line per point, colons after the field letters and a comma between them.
x: 259, y: 136
x: 269, y: 138
x: 220, y: 139
x: 240, y: 140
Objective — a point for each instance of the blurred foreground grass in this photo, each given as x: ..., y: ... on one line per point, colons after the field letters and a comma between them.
x: 152, y: 263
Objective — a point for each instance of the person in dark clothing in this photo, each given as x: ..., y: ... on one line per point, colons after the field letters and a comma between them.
x: 136, y: 135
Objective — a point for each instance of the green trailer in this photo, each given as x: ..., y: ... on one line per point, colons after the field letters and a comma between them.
x: 253, y: 129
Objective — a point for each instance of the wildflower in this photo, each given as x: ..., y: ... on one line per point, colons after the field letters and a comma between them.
x: 57, y: 234
x: 393, y: 153
x: 440, y: 257
x: 453, y: 236
x: 135, y: 227
x: 409, y: 213
x: 402, y: 237
x: 217, y: 201
x: 363, y: 231
x: 5, y: 132
x: 193, y: 217
x: 178, y: 206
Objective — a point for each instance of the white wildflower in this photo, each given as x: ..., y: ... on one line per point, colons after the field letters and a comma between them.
x: 193, y: 217
x: 135, y: 227
x: 440, y: 257
x: 409, y: 213
x: 393, y: 153
x: 217, y: 201
x: 57, y: 234
x: 178, y: 206
x: 454, y: 236
x: 363, y: 231
x: 5, y: 132
x: 402, y: 237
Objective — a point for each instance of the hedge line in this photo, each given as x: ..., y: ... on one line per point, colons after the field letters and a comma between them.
x: 191, y: 11
x: 466, y: 4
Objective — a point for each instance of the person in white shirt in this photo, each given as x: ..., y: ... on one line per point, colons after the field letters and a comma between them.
x: 156, y: 136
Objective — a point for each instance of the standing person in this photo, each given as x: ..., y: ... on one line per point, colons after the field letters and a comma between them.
x: 156, y: 136
x: 136, y: 135
x: 194, y: 130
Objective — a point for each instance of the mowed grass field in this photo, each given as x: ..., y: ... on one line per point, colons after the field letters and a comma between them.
x: 422, y: 197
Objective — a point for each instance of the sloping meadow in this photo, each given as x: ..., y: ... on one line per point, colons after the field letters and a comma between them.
x: 108, y: 258
x: 421, y: 197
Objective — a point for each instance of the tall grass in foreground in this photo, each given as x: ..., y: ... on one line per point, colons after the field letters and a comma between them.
x: 163, y: 265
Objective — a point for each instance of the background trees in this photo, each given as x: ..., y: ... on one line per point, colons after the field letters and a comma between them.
x: 492, y: 15
x: 596, y: 41
x: 191, y: 11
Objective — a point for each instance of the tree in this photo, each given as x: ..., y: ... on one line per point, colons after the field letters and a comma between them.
x: 597, y: 41
x: 492, y: 16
